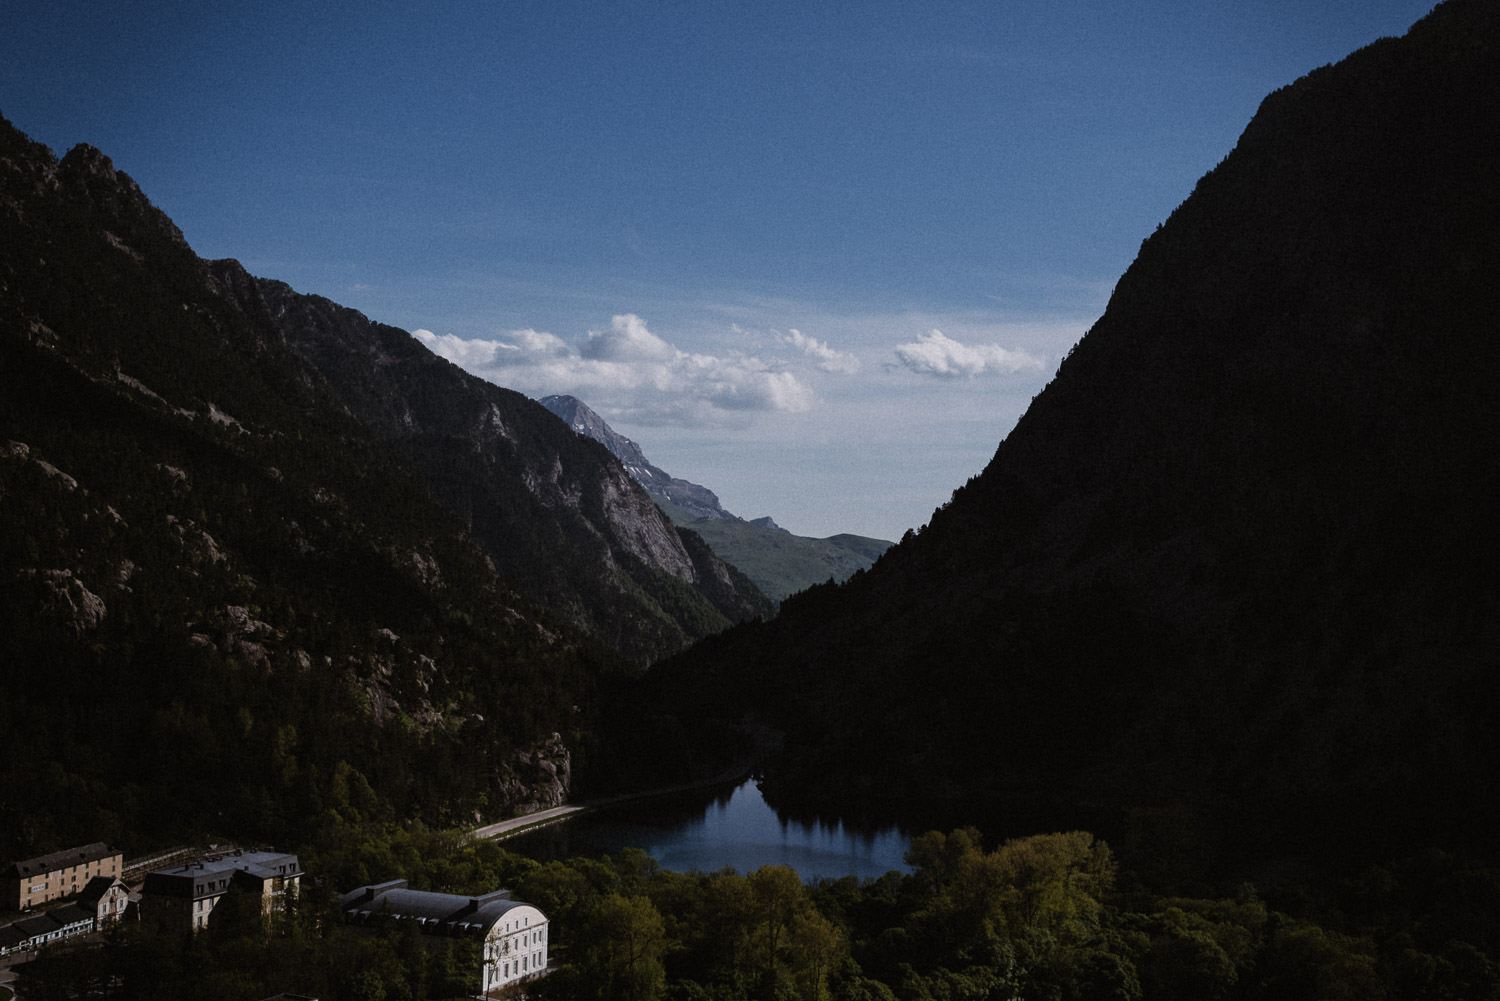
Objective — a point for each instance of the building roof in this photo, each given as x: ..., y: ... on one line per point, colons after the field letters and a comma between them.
x: 97, y: 887
x: 41, y: 924
x: 185, y: 880
x: 438, y: 913
x: 69, y: 914
x: 60, y: 860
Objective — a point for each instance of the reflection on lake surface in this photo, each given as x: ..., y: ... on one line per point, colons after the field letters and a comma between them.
x: 708, y: 830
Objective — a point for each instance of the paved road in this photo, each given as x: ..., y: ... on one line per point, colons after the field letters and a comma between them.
x: 766, y: 740
x: 540, y: 817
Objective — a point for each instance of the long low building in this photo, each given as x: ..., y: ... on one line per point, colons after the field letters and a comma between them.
x: 514, y: 934
x: 46, y: 928
x: 100, y: 903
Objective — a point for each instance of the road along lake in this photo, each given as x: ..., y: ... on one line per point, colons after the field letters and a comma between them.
x: 709, y: 829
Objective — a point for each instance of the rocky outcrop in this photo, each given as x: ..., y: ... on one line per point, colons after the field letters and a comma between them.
x: 64, y: 599
x: 695, y: 501
x: 539, y: 777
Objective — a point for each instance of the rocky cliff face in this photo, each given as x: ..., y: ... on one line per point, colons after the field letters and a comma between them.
x: 777, y: 562
x: 557, y: 514
x: 538, y: 778
x: 693, y: 500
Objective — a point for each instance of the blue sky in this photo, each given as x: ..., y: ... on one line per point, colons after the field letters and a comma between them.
x: 815, y: 256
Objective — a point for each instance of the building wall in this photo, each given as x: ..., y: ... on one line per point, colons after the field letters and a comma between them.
x: 112, y: 906
x: 185, y: 913
x: 515, y: 948
x: 193, y: 915
x: 65, y: 881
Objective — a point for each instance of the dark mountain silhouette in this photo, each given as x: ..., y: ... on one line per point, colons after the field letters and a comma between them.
x: 778, y: 562
x: 1240, y: 559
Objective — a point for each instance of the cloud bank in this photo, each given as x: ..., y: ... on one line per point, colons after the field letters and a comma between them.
x: 633, y: 374
x: 935, y: 354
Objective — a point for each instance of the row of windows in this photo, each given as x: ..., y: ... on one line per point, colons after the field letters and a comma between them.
x: 521, y: 966
x: 84, y: 868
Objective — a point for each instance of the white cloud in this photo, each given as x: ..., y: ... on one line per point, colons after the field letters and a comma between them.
x: 935, y: 354
x: 627, y: 339
x: 827, y: 358
x: 629, y: 373
x: 465, y: 354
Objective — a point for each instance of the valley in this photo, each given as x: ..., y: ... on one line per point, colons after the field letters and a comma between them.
x: 1195, y: 683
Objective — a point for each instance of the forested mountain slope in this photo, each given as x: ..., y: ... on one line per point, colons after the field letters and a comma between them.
x: 1241, y: 556
x: 225, y: 606
x: 560, y: 517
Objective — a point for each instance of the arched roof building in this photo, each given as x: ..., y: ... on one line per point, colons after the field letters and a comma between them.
x: 514, y: 934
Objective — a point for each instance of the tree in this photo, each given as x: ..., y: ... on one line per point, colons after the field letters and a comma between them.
x: 777, y: 897
x: 624, y: 955
x: 1055, y: 883
x: 815, y: 947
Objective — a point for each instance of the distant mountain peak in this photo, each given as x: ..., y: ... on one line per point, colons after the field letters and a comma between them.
x: 778, y: 562
x: 663, y: 488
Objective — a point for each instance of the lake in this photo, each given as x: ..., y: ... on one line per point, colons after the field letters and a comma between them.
x: 707, y: 830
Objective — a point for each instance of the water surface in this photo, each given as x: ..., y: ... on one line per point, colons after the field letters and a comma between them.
x: 711, y: 829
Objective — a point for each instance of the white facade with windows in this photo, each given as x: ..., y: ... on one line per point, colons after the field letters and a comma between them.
x: 514, y: 934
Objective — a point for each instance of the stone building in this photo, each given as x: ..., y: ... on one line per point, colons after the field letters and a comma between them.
x: 39, y: 880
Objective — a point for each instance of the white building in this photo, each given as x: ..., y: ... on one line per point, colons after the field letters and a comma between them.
x: 514, y: 935
x: 107, y: 897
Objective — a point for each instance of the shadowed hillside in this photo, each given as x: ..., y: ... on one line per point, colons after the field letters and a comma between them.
x: 1240, y: 557
x: 227, y: 609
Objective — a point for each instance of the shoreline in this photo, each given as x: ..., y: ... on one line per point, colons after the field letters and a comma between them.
x: 766, y: 740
